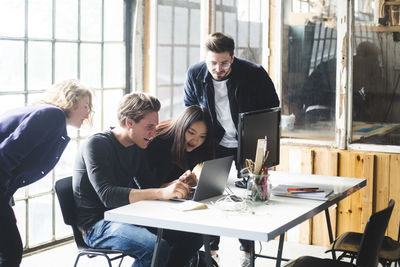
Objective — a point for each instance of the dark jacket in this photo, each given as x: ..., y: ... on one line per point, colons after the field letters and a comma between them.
x: 249, y: 88
x: 32, y: 140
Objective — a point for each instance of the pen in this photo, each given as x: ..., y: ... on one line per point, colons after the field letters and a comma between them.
x: 301, y: 192
x: 303, y: 189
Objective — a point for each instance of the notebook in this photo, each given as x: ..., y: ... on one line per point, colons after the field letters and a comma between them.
x: 212, y: 179
x: 320, y: 194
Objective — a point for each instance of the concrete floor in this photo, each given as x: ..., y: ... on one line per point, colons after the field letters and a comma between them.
x: 64, y: 256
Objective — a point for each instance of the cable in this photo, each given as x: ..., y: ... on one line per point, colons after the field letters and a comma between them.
x: 231, y: 203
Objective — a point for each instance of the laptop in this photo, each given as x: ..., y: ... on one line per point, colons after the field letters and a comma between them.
x: 212, y: 180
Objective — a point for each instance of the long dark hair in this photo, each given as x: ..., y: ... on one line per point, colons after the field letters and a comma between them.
x: 176, y: 129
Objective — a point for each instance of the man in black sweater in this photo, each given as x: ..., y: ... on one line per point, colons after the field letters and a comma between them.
x: 111, y: 171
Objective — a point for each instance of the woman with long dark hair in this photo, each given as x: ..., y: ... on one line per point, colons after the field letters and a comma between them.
x: 181, y: 144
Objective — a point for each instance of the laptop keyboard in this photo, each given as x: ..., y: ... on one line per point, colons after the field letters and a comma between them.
x: 191, y: 194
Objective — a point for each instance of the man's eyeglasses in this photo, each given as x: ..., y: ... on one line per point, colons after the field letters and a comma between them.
x: 223, y: 65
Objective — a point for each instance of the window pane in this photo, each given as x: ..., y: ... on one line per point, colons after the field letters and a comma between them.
x: 91, y: 20
x: 91, y: 64
x: 164, y: 95
x: 97, y: 106
x: 244, y: 22
x: 376, y: 79
x: 40, y: 220
x: 8, y: 102
x: 164, y: 24
x: 164, y: 66
x: 309, y: 72
x: 114, y: 65
x: 39, y: 54
x: 230, y: 24
x: 40, y: 18
x: 62, y: 230
x: 43, y: 185
x: 66, y: 61
x: 194, y: 33
x: 11, y: 66
x: 20, y: 215
x: 110, y: 107
x: 65, y: 166
x: 180, y: 26
x: 66, y: 19
x: 194, y: 55
x: 180, y: 65
x: 12, y: 12
x: 113, y: 20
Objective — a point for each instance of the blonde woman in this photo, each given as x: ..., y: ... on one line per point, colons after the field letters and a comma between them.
x: 32, y: 139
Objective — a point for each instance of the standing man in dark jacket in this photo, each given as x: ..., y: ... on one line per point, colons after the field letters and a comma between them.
x: 226, y: 86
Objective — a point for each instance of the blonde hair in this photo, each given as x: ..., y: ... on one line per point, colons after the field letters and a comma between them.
x: 67, y: 94
x: 135, y: 106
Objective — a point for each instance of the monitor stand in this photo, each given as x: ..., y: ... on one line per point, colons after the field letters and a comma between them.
x: 241, y: 183
x: 242, y: 175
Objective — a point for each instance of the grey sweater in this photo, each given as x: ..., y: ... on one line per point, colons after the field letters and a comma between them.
x: 104, y: 173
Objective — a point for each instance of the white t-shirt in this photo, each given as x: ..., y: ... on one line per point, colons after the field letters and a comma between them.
x: 224, y: 116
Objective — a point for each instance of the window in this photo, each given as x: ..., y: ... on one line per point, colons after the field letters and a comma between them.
x: 376, y: 77
x: 178, y: 44
x: 370, y: 76
x: 245, y: 22
x: 43, y: 42
x: 309, y: 69
x: 178, y: 47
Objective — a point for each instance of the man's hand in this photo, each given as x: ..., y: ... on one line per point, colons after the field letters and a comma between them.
x: 188, y: 178
x: 177, y: 189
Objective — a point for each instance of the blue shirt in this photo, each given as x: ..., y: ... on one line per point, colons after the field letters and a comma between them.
x: 32, y: 140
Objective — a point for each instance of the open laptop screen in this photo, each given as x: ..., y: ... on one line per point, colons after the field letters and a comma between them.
x: 256, y: 125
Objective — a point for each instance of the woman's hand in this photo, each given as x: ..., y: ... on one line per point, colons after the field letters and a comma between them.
x: 188, y: 178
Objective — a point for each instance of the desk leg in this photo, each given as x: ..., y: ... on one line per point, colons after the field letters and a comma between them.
x: 206, y: 242
x: 280, y: 250
x: 328, y: 222
x: 157, y: 247
x: 252, y: 254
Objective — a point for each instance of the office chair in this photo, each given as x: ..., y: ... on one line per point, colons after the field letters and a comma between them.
x: 64, y: 192
x: 348, y: 244
x: 370, y: 245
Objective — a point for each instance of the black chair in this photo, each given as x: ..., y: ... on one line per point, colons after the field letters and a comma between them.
x: 64, y: 192
x: 348, y: 245
x: 370, y: 245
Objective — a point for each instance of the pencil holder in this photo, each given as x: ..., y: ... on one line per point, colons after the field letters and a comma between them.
x: 258, y: 187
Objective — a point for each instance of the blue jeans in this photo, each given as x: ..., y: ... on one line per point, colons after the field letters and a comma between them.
x: 176, y: 248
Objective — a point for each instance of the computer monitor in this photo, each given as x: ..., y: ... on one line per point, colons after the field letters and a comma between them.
x: 256, y: 125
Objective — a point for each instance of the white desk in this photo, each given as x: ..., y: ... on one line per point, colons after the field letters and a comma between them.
x: 262, y: 222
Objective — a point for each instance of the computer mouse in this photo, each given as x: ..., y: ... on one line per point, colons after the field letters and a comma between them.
x: 235, y: 198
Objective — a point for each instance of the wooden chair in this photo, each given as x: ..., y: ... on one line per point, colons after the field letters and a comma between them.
x: 370, y: 244
x: 65, y: 196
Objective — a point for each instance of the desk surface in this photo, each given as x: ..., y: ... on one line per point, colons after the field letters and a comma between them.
x: 261, y: 221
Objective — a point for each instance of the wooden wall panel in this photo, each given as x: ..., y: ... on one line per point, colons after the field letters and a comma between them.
x: 305, y: 229
x: 394, y: 192
x: 283, y: 159
x: 368, y: 191
x: 381, y: 187
x: 350, y: 208
x: 325, y: 163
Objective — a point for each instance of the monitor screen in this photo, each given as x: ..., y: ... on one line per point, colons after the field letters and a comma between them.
x: 256, y: 125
